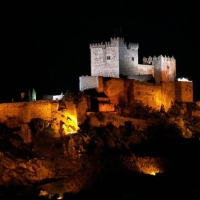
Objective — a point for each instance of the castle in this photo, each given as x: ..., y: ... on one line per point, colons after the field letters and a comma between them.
x: 116, y: 80
x: 116, y: 73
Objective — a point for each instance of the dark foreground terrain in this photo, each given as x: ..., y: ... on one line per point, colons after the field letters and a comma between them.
x: 160, y: 162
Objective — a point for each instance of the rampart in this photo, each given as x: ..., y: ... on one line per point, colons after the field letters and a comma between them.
x: 129, y: 91
x: 25, y: 111
x: 150, y: 59
x: 148, y: 94
x: 56, y: 113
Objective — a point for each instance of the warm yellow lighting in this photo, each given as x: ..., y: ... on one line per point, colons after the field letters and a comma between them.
x: 43, y: 193
x: 148, y: 165
x: 153, y: 173
x: 60, y: 197
x: 70, y: 124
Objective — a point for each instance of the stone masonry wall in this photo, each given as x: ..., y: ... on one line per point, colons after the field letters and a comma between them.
x: 148, y: 93
x: 88, y: 82
x: 69, y: 114
x: 114, y: 89
x: 184, y: 91
x: 145, y: 69
x: 25, y: 111
x: 129, y: 91
x: 105, y: 59
x: 168, y: 94
x: 128, y: 60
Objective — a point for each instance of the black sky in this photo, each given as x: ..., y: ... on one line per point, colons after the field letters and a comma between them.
x: 46, y: 45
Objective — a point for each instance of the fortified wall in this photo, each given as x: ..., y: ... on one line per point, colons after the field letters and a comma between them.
x: 62, y: 116
x: 127, y: 91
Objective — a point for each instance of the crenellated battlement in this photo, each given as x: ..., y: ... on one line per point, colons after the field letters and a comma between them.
x: 150, y: 59
x: 98, y: 45
x: 115, y: 42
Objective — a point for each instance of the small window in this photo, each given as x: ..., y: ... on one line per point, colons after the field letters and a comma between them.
x: 138, y: 92
x: 108, y: 57
x: 132, y: 58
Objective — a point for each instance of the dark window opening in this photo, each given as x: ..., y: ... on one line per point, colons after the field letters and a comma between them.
x: 108, y: 57
x: 132, y: 58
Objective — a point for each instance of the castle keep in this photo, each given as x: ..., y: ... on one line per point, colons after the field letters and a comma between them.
x: 115, y: 72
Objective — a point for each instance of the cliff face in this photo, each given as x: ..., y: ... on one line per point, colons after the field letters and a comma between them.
x: 104, y: 148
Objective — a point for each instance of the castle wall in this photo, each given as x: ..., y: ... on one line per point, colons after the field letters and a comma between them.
x: 145, y: 69
x: 168, y: 94
x: 184, y: 91
x: 115, y: 90
x: 71, y: 115
x: 148, y: 94
x: 88, y: 82
x: 156, y: 63
x: 129, y: 91
x: 128, y: 59
x: 25, y: 111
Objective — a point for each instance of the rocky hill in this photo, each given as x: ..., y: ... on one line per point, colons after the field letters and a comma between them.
x: 122, y: 161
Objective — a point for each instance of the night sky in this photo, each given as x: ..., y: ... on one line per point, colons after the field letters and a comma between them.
x: 46, y: 45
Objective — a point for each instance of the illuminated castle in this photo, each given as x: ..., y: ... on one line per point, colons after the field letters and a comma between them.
x: 115, y: 71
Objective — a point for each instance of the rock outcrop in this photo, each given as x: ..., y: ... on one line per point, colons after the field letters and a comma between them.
x: 34, y: 156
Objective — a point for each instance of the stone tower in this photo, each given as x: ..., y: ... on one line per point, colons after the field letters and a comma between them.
x: 114, y: 58
x: 164, y: 68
